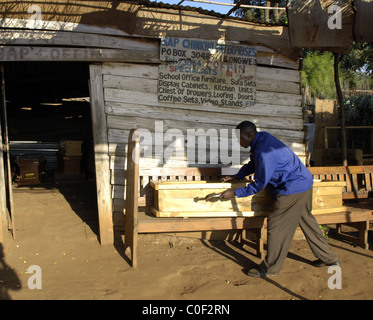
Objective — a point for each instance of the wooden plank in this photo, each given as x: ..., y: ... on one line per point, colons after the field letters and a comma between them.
x: 151, y: 99
x: 278, y: 74
x: 293, y: 139
x: 257, y: 203
x: 1, y: 229
x: 3, y: 167
x: 7, y: 160
x: 168, y: 110
x: 62, y: 26
x: 120, y: 122
x: 280, y: 86
x: 131, y: 216
x: 329, y: 183
x: 150, y: 85
x: 23, y: 53
x: 206, y: 214
x: 154, y: 225
x: 57, y: 38
x: 327, y: 191
x: 151, y: 71
x: 130, y: 70
x: 348, y: 215
x: 368, y: 181
x: 327, y: 201
x: 102, y: 165
x: 361, y: 169
x: 277, y: 60
x: 227, y: 214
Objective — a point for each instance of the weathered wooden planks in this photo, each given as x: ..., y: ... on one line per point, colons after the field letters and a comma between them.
x: 98, y: 17
x: 131, y: 101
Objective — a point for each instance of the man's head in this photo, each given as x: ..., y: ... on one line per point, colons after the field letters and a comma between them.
x: 247, y: 132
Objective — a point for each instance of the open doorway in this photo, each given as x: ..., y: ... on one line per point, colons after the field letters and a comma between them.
x: 50, y: 141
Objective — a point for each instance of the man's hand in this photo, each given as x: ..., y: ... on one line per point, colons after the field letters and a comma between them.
x: 227, y: 194
x: 229, y: 179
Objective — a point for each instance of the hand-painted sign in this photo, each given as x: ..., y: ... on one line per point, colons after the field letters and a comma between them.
x: 205, y: 71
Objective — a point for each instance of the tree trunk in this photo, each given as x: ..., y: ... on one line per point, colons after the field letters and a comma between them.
x: 337, y: 58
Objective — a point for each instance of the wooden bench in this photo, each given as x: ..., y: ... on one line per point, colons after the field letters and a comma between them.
x: 137, y: 222
x: 357, y: 196
x: 359, y: 179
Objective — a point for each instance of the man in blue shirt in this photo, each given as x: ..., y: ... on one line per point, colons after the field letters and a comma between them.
x: 275, y: 166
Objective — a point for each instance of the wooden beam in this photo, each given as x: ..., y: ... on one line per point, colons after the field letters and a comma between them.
x: 352, y: 215
x: 155, y: 225
x: 16, y: 37
x: 102, y: 160
x: 3, y: 182
x: 22, y: 53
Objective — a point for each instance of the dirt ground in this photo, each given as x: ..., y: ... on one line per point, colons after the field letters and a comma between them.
x: 56, y: 230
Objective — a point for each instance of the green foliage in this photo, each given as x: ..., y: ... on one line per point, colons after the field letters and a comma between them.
x: 258, y: 15
x: 355, y: 70
x: 318, y: 73
x: 357, y: 67
x: 359, y: 111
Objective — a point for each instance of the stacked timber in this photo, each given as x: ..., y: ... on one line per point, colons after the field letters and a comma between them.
x: 191, y: 199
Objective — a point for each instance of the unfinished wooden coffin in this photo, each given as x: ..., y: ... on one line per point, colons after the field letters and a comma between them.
x: 327, y: 197
x: 186, y: 199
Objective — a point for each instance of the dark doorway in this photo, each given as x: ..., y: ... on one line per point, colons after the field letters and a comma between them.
x: 50, y: 132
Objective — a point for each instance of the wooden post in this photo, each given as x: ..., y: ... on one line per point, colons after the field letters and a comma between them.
x: 266, y: 12
x: 102, y: 161
x: 3, y: 198
x: 132, y: 196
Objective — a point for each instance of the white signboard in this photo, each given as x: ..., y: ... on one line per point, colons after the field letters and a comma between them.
x: 205, y: 71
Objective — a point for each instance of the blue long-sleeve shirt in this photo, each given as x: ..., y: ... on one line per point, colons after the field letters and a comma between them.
x: 276, y: 165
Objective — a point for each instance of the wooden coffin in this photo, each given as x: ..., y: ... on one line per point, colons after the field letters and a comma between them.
x: 185, y: 199
x: 327, y: 197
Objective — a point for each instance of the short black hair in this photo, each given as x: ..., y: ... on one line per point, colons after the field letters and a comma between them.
x: 246, y: 126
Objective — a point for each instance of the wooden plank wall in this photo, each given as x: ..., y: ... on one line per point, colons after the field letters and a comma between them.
x: 130, y: 95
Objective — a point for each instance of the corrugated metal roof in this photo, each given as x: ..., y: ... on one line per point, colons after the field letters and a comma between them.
x: 162, y: 5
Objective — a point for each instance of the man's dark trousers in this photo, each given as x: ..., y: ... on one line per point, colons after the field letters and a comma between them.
x: 288, y: 211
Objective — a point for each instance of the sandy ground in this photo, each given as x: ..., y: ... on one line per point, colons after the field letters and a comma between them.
x: 56, y: 230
